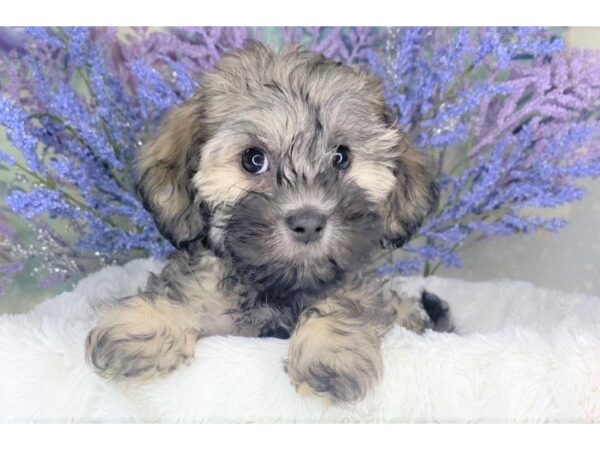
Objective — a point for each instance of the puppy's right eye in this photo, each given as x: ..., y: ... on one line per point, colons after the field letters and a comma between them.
x: 341, y: 157
x: 254, y: 160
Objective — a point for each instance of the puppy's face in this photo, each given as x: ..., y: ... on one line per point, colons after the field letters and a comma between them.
x: 288, y: 164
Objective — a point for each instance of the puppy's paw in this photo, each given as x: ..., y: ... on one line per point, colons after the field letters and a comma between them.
x: 133, y: 341
x: 421, y: 313
x: 338, y: 374
x: 123, y: 350
x: 410, y: 312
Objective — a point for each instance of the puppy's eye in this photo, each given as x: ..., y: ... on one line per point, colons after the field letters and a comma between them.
x: 255, y: 161
x: 341, y: 157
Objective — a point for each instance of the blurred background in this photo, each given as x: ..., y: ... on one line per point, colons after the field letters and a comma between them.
x: 42, y: 251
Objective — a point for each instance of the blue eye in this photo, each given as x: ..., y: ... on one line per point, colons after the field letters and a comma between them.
x: 341, y: 157
x: 255, y: 161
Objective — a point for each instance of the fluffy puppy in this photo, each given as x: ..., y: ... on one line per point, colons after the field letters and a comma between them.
x: 276, y: 182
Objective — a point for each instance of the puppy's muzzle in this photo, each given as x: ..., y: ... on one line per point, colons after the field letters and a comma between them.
x: 306, y: 225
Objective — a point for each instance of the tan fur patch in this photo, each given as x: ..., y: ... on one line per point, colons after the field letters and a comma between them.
x: 374, y: 177
x: 410, y: 313
x: 142, y: 338
x: 163, y: 159
x: 220, y: 179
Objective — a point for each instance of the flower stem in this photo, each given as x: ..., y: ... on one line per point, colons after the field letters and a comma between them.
x: 50, y: 183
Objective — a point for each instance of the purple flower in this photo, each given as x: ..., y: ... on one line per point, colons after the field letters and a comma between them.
x: 16, y: 122
x: 511, y: 119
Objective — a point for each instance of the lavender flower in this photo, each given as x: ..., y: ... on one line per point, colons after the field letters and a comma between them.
x: 511, y: 120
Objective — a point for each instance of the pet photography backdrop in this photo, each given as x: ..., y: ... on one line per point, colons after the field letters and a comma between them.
x: 510, y: 118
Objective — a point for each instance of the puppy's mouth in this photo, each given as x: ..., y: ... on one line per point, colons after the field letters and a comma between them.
x: 274, y: 247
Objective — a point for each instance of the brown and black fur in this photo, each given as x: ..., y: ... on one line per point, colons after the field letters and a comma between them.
x: 236, y: 269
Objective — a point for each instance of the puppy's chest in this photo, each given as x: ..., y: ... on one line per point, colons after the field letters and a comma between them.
x: 284, y: 313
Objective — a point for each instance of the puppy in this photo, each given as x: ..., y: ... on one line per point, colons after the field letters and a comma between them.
x: 276, y: 183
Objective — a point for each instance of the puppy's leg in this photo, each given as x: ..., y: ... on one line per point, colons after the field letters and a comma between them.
x: 152, y: 333
x: 335, y: 348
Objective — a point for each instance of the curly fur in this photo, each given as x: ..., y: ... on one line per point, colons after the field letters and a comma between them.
x: 237, y: 269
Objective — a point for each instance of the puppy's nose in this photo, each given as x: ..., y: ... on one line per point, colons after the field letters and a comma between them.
x: 306, y: 225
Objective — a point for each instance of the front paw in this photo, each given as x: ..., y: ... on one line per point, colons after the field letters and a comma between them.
x: 340, y: 374
x: 131, y: 341
x: 120, y: 351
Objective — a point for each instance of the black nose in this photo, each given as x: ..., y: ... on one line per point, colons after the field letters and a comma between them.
x: 306, y: 225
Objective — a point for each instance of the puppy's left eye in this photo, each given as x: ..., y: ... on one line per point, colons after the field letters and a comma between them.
x: 341, y: 157
x: 255, y: 161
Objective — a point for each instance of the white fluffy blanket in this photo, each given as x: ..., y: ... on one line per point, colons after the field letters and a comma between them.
x: 523, y: 354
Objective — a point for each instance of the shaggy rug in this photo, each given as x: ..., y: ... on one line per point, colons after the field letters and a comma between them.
x: 521, y: 354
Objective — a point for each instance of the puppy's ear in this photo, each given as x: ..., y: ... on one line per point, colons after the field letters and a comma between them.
x: 413, y: 197
x: 165, y: 167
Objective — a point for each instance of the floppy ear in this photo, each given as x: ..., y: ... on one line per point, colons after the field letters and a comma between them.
x: 412, y: 198
x: 165, y: 167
